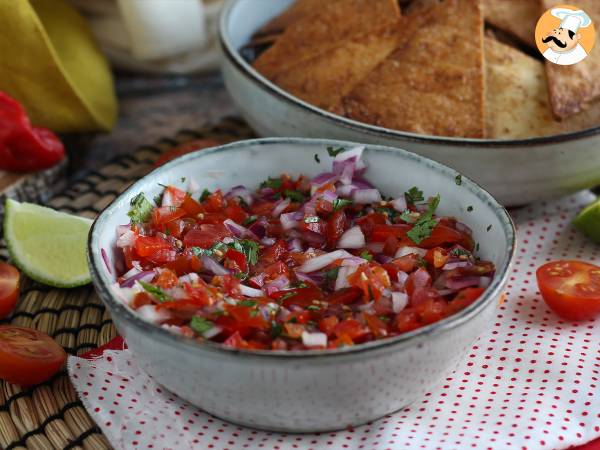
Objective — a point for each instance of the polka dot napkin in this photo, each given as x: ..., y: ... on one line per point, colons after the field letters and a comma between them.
x: 530, y: 382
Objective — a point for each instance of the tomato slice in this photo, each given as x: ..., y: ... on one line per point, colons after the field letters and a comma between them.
x: 206, y: 236
x: 28, y: 357
x: 9, y: 289
x: 571, y: 288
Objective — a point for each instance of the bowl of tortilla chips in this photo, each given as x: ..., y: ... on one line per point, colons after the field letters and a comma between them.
x: 458, y: 81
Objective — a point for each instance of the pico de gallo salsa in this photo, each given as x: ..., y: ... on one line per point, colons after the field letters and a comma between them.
x: 298, y: 263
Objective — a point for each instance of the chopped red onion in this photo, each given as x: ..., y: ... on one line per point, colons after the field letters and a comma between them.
x: 106, y: 260
x: 238, y: 230
x: 462, y: 282
x: 352, y: 238
x: 366, y: 196
x: 463, y: 228
x: 146, y: 276
x: 189, y: 278
x: 126, y: 239
x: 328, y: 196
x: 312, y: 238
x: 361, y: 183
x: 346, y: 190
x: 314, y: 339
x: 312, y: 278
x: 344, y: 272
x: 289, y: 221
x: 324, y: 260
x: 250, y: 292
x: 212, y: 332
x: 485, y: 281
x: 366, y: 307
x: 281, y: 207
x: 347, y: 172
x: 323, y: 178
x: 456, y: 265
x: 242, y: 192
x: 257, y: 280
x: 403, y: 251
x: 399, y: 204
x: 167, y: 198
x: 420, y: 278
x: 268, y: 241
x: 402, y: 277
x: 121, y: 229
x: 375, y: 247
x: 212, y: 266
x: 295, y: 245
x: 353, y: 154
x: 383, y: 259
x: 354, y: 261
x: 277, y: 284
x: 399, y: 301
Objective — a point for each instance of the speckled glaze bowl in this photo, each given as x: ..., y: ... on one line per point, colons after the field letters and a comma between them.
x: 516, y: 172
x: 315, y: 390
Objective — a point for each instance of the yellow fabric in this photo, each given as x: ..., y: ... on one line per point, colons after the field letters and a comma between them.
x: 50, y: 63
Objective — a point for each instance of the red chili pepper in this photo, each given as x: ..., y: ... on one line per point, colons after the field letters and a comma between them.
x: 24, y: 147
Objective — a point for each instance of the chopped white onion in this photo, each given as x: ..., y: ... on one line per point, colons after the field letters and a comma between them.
x: 366, y: 196
x: 281, y: 207
x: 399, y: 301
x: 402, y: 277
x: 127, y: 239
x: 314, y: 339
x: 212, y: 332
x: 324, y: 260
x: 346, y: 190
x: 189, y: 278
x: 344, y: 272
x: 288, y: 221
x: 239, y: 230
x: 399, y: 204
x: 355, y: 153
x: 133, y: 271
x: 352, y: 238
x: 354, y: 261
x: 167, y: 198
x: 456, y: 265
x: 403, y: 251
x: 250, y: 292
x: 150, y: 313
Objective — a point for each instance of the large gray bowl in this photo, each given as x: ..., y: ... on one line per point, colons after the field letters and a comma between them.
x: 319, y: 389
x: 516, y: 172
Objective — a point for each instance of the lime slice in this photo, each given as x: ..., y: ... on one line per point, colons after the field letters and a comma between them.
x: 588, y: 221
x: 49, y: 246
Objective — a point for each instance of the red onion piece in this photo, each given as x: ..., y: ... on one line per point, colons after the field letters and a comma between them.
x: 383, y: 259
x: 146, y: 276
x: 354, y: 261
x: 106, y: 260
x: 323, y: 178
x: 281, y: 207
x: 456, y: 265
x: 399, y: 204
x: 313, y: 278
x: 352, y: 238
x: 344, y: 272
x: 295, y: 245
x: 366, y: 196
x: 354, y: 154
x: 238, y: 230
x: 361, y: 183
x: 258, y: 280
x: 461, y: 282
x: 314, y: 239
x: 290, y: 220
x: 250, y: 292
x: 346, y: 190
x: 463, y: 228
x: 399, y: 301
x: 329, y: 196
x: 259, y: 228
x: 268, y: 241
x: 403, y: 251
x: 322, y: 261
x: 277, y: 284
x: 242, y: 192
x: 212, y: 266
x: 375, y: 247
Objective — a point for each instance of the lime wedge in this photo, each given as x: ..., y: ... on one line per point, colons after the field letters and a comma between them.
x: 49, y: 246
x: 588, y: 221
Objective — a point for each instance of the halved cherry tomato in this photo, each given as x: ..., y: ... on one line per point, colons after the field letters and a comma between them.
x: 571, y: 288
x: 28, y: 357
x: 9, y: 289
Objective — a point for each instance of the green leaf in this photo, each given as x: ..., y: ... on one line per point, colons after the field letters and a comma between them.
x: 249, y: 303
x: 414, y: 195
x: 317, y: 159
x: 200, y: 325
x: 469, y: 208
x: 140, y: 210
x: 425, y: 224
x: 157, y: 292
x: 294, y: 196
x: 458, y: 180
x: 205, y: 195
x: 407, y: 216
x: 389, y: 212
x: 249, y: 220
x: 273, y: 183
x: 366, y: 255
x: 340, y: 203
x: 248, y: 248
x: 313, y: 307
x: 276, y: 329
x: 334, y: 151
x: 332, y: 274
x: 459, y: 252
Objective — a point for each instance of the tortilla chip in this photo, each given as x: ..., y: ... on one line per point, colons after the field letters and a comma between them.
x: 517, y: 104
x: 428, y: 85
x: 325, y: 79
x: 573, y: 88
x: 333, y: 25
x: 296, y: 11
x: 515, y: 17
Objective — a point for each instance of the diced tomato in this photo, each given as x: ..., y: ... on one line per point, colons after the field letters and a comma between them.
x: 166, y: 279
x: 236, y: 260
x: 174, y: 196
x: 191, y: 207
x: 206, y: 236
x: 314, y: 224
x: 212, y: 218
x: 294, y: 330
x: 327, y: 324
x: 140, y: 299
x: 432, y: 310
x: 369, y: 222
x: 235, y: 341
x: 351, y: 328
x: 336, y: 225
x: 407, y: 320
x: 300, y: 317
x: 345, y: 296
x: 372, y: 280
x: 423, y: 294
x: 299, y: 296
x: 391, y: 246
x: 247, y: 316
x: 437, y: 257
x: 165, y: 214
x: 342, y: 341
x: 175, y: 228
x: 382, y: 232
x: 146, y: 246
x: 214, y: 202
x: 274, y: 252
x: 235, y: 212
x: 262, y: 208
x: 279, y: 344
x: 163, y: 256
x: 443, y: 234
x: 464, y: 298
x: 418, y: 279
x: 407, y: 263
x: 184, y: 263
x: 378, y: 327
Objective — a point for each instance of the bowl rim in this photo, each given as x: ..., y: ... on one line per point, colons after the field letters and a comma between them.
x: 103, y: 284
x: 233, y: 56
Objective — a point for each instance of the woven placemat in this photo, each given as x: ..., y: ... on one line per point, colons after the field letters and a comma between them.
x: 51, y: 416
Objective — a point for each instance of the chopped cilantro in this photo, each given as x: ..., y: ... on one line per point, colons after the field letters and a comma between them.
x: 273, y: 183
x: 183, y: 179
x: 294, y: 196
x: 276, y: 329
x: 205, y: 195
x: 249, y: 220
x: 489, y: 227
x: 425, y: 224
x: 311, y: 219
x: 248, y: 248
x: 249, y: 303
x: 459, y: 252
x: 286, y: 296
x: 332, y: 274
x: 334, y: 151
x: 414, y: 195
x: 317, y: 159
x: 200, y: 325
x: 300, y: 284
x: 340, y: 203
x: 157, y: 199
x: 313, y: 307
x: 389, y: 212
x: 140, y: 210
x: 253, y: 313
x: 157, y: 292
x: 469, y: 208
x: 477, y: 247
x: 167, y: 232
x: 366, y: 255
x: 407, y: 216
x: 458, y: 180
x: 384, y: 318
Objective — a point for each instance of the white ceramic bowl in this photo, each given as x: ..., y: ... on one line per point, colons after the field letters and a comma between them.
x: 314, y: 390
x: 516, y: 172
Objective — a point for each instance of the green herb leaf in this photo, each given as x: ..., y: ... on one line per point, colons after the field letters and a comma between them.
x: 200, y: 325
x: 340, y: 203
x: 366, y: 255
x: 334, y: 151
x: 425, y: 224
x: 249, y: 220
x: 459, y: 252
x: 157, y: 292
x: 407, y: 216
x: 300, y: 284
x: 469, y: 208
x: 276, y: 329
x: 157, y: 199
x: 313, y: 308
x: 205, y: 195
x: 414, y: 195
x: 248, y: 248
x: 458, y: 180
x: 332, y: 274
x: 389, y: 212
x: 294, y: 196
x: 489, y: 227
x: 273, y: 183
x: 249, y: 303
x: 317, y: 159
x: 311, y: 219
x: 183, y: 179
x: 140, y: 210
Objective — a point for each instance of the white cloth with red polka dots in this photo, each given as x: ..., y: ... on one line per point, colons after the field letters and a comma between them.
x: 530, y: 382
